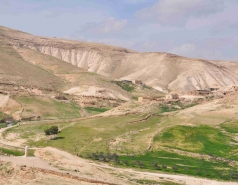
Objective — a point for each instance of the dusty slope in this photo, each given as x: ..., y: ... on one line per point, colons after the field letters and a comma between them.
x: 23, y: 66
x: 14, y: 70
x: 160, y: 70
x: 79, y: 81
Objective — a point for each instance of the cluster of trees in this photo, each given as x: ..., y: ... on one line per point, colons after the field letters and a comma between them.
x: 53, y: 130
x: 106, y: 157
x: 113, y: 157
x: 158, y: 167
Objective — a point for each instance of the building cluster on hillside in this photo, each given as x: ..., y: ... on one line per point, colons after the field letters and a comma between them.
x: 168, y: 97
x: 139, y: 82
x: 215, y: 91
x: 16, y: 89
x: 204, y: 92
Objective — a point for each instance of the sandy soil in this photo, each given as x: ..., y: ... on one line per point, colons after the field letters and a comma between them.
x: 3, y: 100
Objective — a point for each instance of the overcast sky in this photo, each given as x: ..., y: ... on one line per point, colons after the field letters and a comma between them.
x: 193, y: 28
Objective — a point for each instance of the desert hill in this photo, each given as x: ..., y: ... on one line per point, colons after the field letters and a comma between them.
x: 23, y: 66
x: 88, y: 91
x: 159, y: 70
x: 33, y: 84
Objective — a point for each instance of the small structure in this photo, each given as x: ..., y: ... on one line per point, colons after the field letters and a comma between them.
x: 9, y: 121
x: 203, y: 92
x: 140, y: 99
x: 172, y: 97
x: 26, y: 151
x: 136, y: 82
x: 214, y: 89
x: 126, y: 81
x: 235, y: 87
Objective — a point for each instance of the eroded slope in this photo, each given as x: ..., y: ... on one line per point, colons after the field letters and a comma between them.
x: 160, y: 70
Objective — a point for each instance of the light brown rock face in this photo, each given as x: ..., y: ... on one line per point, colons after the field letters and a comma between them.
x: 159, y: 70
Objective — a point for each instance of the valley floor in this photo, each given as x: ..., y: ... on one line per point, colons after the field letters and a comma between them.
x: 60, y: 167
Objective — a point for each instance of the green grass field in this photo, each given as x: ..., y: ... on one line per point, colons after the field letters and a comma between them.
x: 14, y: 152
x: 95, y: 110
x: 2, y: 115
x: 231, y: 126
x: 129, y: 140
x: 95, y: 134
x: 3, y: 125
x: 161, y: 160
x: 199, y: 139
x: 126, y: 86
x: 48, y: 108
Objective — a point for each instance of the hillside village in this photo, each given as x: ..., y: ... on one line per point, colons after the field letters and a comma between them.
x: 121, y: 116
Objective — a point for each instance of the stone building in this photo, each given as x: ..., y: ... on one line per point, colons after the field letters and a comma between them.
x: 137, y: 82
x: 172, y: 96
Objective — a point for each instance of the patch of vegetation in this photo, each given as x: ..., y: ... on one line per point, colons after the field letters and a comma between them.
x: 123, y: 141
x: 153, y: 182
x: 3, y: 125
x: 127, y: 86
x: 15, y: 152
x: 135, y: 97
x: 106, y: 157
x: 201, y: 139
x: 231, y: 126
x: 92, y: 135
x: 146, y: 87
x: 48, y: 108
x: 30, y: 131
x: 174, y: 106
x: 174, y: 163
x: 53, y: 130
x: 2, y: 116
x: 95, y: 110
x: 166, y: 108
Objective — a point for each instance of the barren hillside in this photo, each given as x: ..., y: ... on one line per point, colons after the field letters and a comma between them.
x: 160, y: 70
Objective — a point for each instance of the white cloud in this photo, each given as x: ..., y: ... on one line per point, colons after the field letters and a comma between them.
x: 178, y: 12
x: 194, y: 51
x: 110, y: 25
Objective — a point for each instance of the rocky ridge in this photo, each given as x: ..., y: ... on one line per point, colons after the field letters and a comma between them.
x: 163, y: 71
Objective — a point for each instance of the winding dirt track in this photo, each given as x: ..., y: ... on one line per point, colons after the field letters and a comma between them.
x: 42, y: 164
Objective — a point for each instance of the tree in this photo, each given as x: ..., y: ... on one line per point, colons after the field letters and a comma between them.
x: 175, y: 168
x: 53, y: 130
x: 47, y: 132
